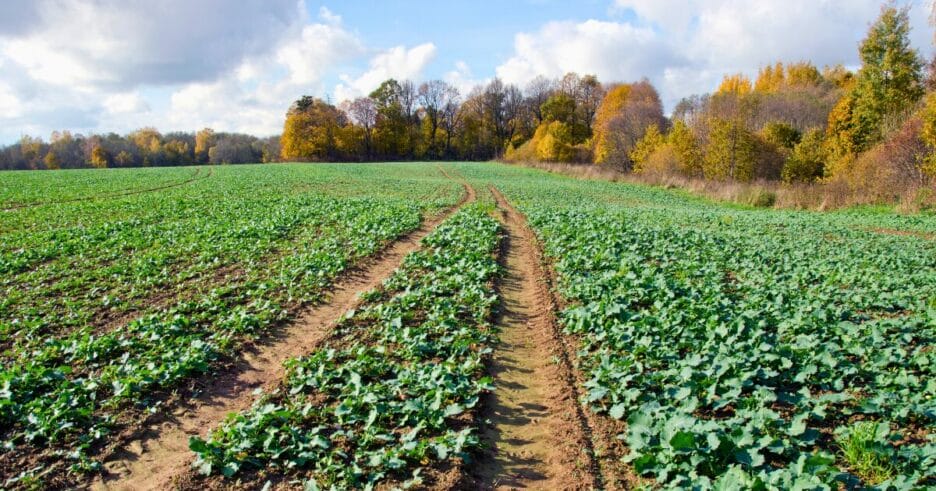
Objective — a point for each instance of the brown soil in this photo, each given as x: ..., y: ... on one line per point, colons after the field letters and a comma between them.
x: 904, y: 233
x: 158, y: 453
x: 601, y: 432
x: 536, y: 438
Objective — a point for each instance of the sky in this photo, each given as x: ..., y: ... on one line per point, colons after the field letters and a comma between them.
x: 93, y: 66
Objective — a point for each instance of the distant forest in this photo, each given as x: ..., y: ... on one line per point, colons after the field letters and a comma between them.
x: 145, y: 147
x: 794, y: 122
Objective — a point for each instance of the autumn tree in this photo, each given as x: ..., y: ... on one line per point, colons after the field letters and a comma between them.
x: 99, y: 157
x: 433, y: 95
x: 204, y: 139
x: 839, y: 76
x: 536, y: 93
x: 554, y: 142
x: 686, y: 149
x: 769, y: 78
x: 643, y: 148
x: 31, y: 149
x: 52, y: 160
x: 124, y: 159
x: 737, y: 84
x: 731, y: 152
x: 363, y: 113
x: 622, y: 120
x: 450, y: 120
x: 889, y: 83
x: 310, y: 130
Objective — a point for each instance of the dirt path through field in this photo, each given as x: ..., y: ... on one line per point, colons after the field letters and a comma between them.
x: 536, y: 438
x: 159, y: 452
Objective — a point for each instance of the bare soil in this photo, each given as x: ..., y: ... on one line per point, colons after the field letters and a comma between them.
x: 158, y: 454
x: 537, y: 437
x: 904, y: 233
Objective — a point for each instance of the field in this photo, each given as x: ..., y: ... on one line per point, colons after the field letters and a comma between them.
x: 453, y: 326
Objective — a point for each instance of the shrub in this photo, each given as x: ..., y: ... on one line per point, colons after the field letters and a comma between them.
x: 781, y: 134
x: 807, y: 161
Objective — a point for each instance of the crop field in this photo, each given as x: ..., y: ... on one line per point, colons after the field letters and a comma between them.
x: 453, y: 326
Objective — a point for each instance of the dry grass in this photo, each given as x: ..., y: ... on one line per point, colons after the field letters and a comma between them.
x: 817, y: 196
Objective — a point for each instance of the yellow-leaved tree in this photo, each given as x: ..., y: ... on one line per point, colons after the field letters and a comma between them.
x: 687, y: 149
x: 651, y: 142
x: 312, y: 131
x: 737, y: 84
x: 731, y: 153
x: 554, y: 142
x: 612, y: 105
x: 99, y: 157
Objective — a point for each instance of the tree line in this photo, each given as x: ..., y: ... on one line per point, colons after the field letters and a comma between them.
x: 873, y: 129
x: 145, y: 147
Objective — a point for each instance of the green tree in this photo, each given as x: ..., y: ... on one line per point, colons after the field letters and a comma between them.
x: 891, y: 77
x: 780, y: 134
x: 731, y: 153
x: 687, y: 149
x: 392, y: 138
x: 807, y: 160
x: 888, y: 85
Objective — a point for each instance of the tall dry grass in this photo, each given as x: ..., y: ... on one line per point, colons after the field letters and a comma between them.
x: 765, y: 194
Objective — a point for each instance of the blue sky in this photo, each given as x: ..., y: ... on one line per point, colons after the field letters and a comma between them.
x: 479, y: 33
x: 117, y: 65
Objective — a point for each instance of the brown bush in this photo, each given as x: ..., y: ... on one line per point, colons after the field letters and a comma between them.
x: 891, y: 170
x: 661, y: 162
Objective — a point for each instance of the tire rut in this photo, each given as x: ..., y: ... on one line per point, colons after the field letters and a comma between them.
x: 157, y: 454
x: 195, y: 177
x: 537, y: 437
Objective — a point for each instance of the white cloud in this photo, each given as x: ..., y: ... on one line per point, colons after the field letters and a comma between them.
x: 83, y: 66
x: 9, y: 104
x: 328, y: 16
x: 317, y: 48
x: 686, y: 46
x: 115, y: 43
x: 610, y: 50
x: 114, y: 65
x: 398, y: 62
x: 227, y: 106
x: 129, y: 102
x: 462, y: 78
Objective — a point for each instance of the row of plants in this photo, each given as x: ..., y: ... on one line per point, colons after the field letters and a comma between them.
x: 388, y: 399
x: 63, y: 395
x: 138, y: 263
x: 95, y: 262
x: 745, y: 349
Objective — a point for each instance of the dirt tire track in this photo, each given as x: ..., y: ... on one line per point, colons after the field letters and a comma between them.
x: 157, y: 454
x: 195, y: 177
x: 604, y: 447
x: 538, y: 438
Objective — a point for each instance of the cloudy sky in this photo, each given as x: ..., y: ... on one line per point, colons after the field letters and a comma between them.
x: 117, y: 65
